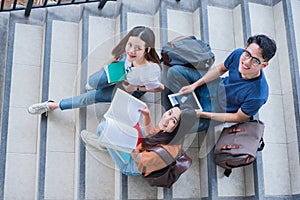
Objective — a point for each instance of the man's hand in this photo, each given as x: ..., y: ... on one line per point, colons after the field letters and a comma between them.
x: 236, y: 117
x: 187, y: 89
x: 211, y: 75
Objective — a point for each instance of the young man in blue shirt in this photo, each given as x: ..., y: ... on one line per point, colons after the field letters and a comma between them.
x: 236, y: 97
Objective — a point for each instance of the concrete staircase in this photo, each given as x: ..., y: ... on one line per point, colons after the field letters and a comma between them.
x: 50, y: 55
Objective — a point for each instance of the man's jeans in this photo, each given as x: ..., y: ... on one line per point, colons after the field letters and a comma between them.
x: 179, y: 76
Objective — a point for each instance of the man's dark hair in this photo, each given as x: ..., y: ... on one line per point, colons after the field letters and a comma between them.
x: 267, y: 45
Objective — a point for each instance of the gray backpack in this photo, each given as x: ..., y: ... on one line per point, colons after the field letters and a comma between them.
x: 237, y: 145
x: 188, y: 51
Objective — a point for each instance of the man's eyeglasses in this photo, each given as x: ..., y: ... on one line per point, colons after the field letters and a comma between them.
x: 254, y: 61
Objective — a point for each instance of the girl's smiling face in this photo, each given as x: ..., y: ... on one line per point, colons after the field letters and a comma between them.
x: 135, y: 49
x: 170, y: 120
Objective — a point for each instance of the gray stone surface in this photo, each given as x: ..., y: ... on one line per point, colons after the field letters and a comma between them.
x: 23, y: 137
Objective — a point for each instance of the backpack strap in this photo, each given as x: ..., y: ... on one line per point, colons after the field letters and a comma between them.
x: 261, y: 144
x: 179, y: 38
x: 163, y: 154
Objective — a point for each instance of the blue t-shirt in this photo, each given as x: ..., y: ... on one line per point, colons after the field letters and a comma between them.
x: 249, y: 95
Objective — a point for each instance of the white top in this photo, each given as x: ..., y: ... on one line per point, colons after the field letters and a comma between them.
x: 147, y: 75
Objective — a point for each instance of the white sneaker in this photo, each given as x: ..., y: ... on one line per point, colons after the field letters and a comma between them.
x: 39, y: 108
x: 91, y: 141
x: 88, y: 87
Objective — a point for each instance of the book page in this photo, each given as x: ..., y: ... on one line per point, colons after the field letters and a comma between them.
x: 190, y: 99
x: 125, y: 108
x: 119, y: 136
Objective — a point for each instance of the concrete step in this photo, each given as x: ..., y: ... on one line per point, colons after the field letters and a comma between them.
x: 51, y: 55
x: 61, y: 131
x: 280, y: 95
x: 275, y: 75
x: 137, y: 187
x: 101, y: 182
x: 22, y: 128
x: 225, y: 35
x: 189, y: 185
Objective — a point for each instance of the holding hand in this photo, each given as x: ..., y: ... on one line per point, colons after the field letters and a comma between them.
x: 145, y: 111
x: 199, y: 112
x: 148, y: 126
x: 128, y: 87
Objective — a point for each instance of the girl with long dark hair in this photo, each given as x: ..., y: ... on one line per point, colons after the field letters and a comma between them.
x: 168, y: 133
x: 143, y: 69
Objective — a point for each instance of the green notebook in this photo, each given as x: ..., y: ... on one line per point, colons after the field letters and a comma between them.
x: 115, y: 72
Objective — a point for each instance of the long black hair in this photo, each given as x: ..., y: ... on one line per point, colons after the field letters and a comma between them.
x: 186, y: 121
